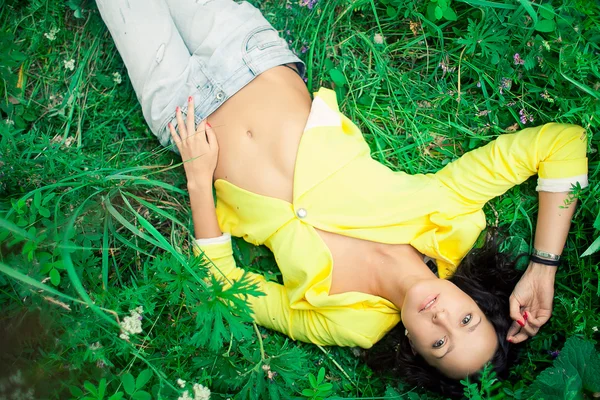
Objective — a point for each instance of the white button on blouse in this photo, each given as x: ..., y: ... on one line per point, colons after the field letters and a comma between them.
x: 301, y: 213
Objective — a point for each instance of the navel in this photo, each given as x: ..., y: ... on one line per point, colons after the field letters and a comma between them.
x: 249, y: 134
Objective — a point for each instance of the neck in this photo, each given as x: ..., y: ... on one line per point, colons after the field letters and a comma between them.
x: 394, y: 281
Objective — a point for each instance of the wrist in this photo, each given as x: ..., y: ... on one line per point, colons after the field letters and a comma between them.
x: 199, y: 184
x: 541, y: 269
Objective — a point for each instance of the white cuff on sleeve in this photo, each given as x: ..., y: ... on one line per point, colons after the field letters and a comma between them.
x: 224, y: 238
x: 561, y: 184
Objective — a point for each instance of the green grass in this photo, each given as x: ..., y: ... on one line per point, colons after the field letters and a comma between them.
x: 94, y: 221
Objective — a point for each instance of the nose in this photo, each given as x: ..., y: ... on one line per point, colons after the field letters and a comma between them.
x: 440, y: 317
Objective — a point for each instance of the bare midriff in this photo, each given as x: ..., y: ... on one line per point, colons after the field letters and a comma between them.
x: 259, y: 131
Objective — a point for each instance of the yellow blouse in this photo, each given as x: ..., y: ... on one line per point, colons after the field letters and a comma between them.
x: 339, y: 188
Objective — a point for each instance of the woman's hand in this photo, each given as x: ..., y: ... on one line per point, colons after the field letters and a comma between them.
x: 531, y: 302
x: 198, y: 147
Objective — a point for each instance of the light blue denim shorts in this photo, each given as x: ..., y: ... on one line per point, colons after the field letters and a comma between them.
x: 208, y: 49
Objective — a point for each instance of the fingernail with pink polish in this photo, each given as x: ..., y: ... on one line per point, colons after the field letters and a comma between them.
x: 526, y: 315
x: 521, y: 323
x: 189, y: 99
x: 209, y: 125
x: 177, y: 109
x: 509, y: 340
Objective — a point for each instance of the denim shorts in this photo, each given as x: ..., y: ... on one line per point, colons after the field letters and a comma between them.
x: 208, y: 49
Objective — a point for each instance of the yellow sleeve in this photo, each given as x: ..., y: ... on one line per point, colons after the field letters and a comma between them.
x: 272, y: 310
x: 556, y: 152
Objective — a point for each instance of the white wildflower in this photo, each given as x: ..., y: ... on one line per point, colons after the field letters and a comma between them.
x: 9, y: 121
x: 595, y: 329
x: 201, y: 392
x: 117, y: 78
x: 378, y: 38
x: 131, y: 324
x: 51, y: 36
x: 181, y: 383
x: 185, y: 396
x: 95, y: 346
x: 70, y: 65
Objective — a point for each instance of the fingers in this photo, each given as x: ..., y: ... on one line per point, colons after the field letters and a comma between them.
x: 174, y: 135
x: 190, y: 117
x: 183, y: 134
x: 539, y: 319
x: 515, y: 310
x: 519, y: 337
x: 513, y: 330
x: 211, y: 137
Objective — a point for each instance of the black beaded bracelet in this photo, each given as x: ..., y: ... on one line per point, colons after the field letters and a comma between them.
x: 538, y: 260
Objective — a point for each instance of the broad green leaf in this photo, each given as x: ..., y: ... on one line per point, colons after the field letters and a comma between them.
x: 75, y: 391
x: 450, y: 14
x: 321, y: 375
x: 576, y: 368
x: 37, y: 199
x: 545, y: 25
x: 54, y: 277
x: 128, y: 383
x: 143, y: 378
x: 141, y: 395
x: 89, y: 386
x: 116, y: 396
x: 102, y: 388
x: 312, y: 380
x: 547, y: 11
x: 391, y: 12
x: 337, y: 77
x: 438, y: 12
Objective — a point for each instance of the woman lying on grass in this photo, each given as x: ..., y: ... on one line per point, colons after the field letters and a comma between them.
x: 350, y: 236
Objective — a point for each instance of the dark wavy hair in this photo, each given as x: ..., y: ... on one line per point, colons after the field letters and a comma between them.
x: 489, y: 277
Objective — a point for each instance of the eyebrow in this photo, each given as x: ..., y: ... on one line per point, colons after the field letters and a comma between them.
x: 471, y: 329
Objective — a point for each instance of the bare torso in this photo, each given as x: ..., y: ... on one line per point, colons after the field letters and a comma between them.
x: 259, y: 131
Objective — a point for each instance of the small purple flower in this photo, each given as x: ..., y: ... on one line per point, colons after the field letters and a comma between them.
x: 505, y: 83
x: 305, y: 80
x: 523, y: 116
x: 308, y: 3
x: 554, y: 353
x: 304, y: 49
x: 478, y: 84
x: 518, y: 60
x: 288, y: 32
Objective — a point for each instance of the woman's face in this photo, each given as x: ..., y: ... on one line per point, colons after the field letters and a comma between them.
x: 447, y: 328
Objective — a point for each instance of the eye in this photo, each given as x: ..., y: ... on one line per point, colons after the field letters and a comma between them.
x: 467, y: 319
x: 439, y: 343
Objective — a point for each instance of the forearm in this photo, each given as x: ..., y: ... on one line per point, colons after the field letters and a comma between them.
x: 203, y: 210
x: 554, y: 220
